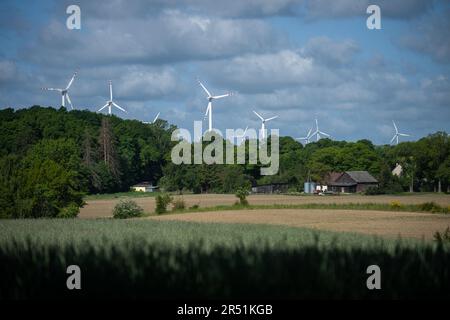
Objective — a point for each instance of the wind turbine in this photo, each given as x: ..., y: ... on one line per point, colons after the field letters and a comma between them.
x: 317, y: 133
x: 64, y: 92
x: 154, y: 120
x: 263, y: 124
x: 397, y: 134
x: 241, y: 136
x: 210, y: 98
x: 306, y: 139
x: 110, y: 102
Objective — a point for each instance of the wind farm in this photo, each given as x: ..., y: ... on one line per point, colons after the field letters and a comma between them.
x: 252, y: 152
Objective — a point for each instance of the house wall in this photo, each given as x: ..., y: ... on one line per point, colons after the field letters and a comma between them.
x: 361, y: 187
x: 139, y: 189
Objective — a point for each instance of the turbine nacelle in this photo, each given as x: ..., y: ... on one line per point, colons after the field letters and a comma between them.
x: 110, y: 103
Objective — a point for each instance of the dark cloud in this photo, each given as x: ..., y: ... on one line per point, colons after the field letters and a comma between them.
x: 395, y: 9
x: 173, y: 36
x: 430, y: 36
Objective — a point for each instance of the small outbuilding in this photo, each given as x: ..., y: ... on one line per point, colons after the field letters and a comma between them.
x: 144, y: 186
x: 352, y: 181
x: 271, y: 188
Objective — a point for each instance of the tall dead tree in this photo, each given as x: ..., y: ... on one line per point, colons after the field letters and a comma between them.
x: 107, y: 144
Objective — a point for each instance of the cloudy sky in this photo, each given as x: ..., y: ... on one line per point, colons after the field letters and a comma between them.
x: 299, y: 59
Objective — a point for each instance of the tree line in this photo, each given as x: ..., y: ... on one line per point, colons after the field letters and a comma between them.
x: 50, y: 158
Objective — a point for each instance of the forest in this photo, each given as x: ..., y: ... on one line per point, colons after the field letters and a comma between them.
x: 50, y: 158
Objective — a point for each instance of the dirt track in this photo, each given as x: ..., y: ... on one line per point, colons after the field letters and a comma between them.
x: 382, y: 223
x: 103, y: 208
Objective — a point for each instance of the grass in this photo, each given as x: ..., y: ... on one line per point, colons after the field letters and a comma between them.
x: 154, y: 259
x: 120, y: 195
x: 328, y: 206
x: 177, y: 234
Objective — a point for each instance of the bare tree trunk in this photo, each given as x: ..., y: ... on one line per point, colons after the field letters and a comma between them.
x: 107, y: 143
x: 439, y: 186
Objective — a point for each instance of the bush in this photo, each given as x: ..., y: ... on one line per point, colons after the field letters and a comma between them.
x: 430, y: 207
x: 395, y: 205
x: 195, y: 206
x: 242, y: 194
x: 373, y: 191
x: 178, y: 204
x: 162, y: 201
x: 71, y: 211
x: 127, y: 209
x: 444, y: 237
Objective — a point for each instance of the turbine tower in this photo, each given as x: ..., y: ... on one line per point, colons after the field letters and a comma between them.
x: 110, y: 102
x: 317, y: 133
x: 210, y: 98
x: 263, y: 124
x: 306, y: 139
x: 64, y: 92
x: 397, y: 134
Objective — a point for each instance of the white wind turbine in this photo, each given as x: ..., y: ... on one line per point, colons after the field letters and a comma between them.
x: 210, y: 98
x: 154, y: 120
x: 64, y: 92
x: 317, y: 133
x: 306, y: 139
x: 397, y: 134
x: 110, y: 102
x: 263, y: 124
x: 242, y: 136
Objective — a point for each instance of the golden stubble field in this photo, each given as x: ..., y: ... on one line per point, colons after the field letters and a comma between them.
x: 381, y: 223
x: 103, y: 208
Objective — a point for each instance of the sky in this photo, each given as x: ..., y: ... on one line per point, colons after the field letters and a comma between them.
x: 298, y: 59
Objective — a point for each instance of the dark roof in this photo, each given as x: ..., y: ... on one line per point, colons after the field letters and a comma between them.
x: 143, y: 184
x: 332, y: 176
x: 362, y: 177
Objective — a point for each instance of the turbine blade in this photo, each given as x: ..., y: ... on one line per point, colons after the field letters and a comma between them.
x: 70, y: 102
x: 309, y: 133
x: 110, y: 90
x: 71, y: 81
x: 393, y: 138
x: 156, y: 118
x: 102, y: 108
x: 262, y: 119
x: 52, y: 89
x: 119, y: 107
x: 404, y: 135
x: 221, y: 96
x: 204, y: 88
x: 271, y: 118
x: 208, y: 109
x: 396, y: 130
x: 325, y: 134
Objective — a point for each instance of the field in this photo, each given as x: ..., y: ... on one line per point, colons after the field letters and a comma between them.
x: 382, y: 223
x: 100, y: 208
x: 142, y: 258
x: 225, y: 253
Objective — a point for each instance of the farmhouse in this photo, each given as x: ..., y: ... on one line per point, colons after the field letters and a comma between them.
x: 351, y: 182
x: 144, y: 186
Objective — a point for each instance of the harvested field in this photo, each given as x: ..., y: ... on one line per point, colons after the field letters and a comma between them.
x: 381, y: 223
x: 103, y: 208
